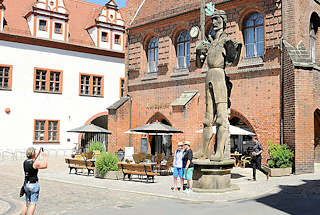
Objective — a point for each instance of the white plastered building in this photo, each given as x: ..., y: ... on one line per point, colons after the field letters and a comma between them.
x: 57, y: 70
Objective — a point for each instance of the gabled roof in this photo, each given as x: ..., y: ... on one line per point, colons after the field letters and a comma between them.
x: 81, y: 15
x: 184, y: 98
x: 118, y: 103
x: 299, y: 55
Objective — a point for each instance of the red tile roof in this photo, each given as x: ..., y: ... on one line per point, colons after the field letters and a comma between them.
x: 81, y: 15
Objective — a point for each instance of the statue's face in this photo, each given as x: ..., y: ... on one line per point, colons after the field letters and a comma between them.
x: 217, y: 23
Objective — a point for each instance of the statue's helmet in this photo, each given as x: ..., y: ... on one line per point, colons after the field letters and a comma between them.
x: 220, y: 13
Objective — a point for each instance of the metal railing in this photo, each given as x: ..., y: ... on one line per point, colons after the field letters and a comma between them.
x: 20, y: 154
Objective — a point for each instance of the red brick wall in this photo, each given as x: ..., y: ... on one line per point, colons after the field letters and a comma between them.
x: 256, y: 91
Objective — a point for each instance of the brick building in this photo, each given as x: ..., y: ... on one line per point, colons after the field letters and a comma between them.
x: 276, y: 91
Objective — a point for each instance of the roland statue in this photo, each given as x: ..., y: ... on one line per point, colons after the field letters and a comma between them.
x: 219, y: 51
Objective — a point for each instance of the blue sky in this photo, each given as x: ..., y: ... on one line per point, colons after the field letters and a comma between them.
x: 120, y: 3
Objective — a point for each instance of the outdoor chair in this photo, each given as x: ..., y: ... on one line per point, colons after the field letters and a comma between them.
x: 139, y: 157
x: 89, y: 155
x: 167, y: 166
x: 78, y: 157
x: 96, y: 153
x: 245, y: 160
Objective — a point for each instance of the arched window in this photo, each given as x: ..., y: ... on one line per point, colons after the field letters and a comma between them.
x: 153, y: 55
x: 183, y: 49
x: 313, y: 37
x: 254, y: 35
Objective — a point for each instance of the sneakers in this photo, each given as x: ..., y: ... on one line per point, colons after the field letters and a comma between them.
x: 188, y: 190
x: 176, y: 189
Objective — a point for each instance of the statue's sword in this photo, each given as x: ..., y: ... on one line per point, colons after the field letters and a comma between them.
x: 202, y: 19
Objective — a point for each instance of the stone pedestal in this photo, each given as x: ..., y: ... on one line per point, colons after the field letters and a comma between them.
x: 213, y: 176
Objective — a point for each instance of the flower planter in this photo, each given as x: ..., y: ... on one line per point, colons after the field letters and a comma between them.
x: 114, y: 175
x: 277, y: 172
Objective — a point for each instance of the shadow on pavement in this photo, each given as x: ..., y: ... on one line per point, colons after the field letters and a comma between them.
x: 236, y: 176
x: 296, y: 200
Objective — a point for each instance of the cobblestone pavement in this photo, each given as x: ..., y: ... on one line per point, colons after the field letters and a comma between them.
x: 59, y: 197
x: 63, y: 193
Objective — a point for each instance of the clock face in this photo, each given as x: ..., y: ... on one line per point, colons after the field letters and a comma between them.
x: 194, y: 32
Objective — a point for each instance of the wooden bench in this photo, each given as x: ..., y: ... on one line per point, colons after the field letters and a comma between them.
x: 80, y: 164
x: 138, y: 169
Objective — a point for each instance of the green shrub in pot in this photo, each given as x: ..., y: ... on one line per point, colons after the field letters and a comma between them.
x: 106, y: 162
x: 96, y: 146
x: 280, y: 156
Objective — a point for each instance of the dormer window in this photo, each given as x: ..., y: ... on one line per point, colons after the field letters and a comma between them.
x: 104, y: 37
x: 58, y: 28
x: 42, y: 25
x: 48, y: 19
x: 117, y: 39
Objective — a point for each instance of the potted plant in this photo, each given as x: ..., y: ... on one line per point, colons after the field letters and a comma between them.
x: 107, y: 166
x: 280, y: 161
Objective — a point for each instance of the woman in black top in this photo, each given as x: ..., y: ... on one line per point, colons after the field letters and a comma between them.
x: 31, y: 185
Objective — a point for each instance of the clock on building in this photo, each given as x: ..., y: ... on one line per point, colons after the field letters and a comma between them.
x: 194, y: 32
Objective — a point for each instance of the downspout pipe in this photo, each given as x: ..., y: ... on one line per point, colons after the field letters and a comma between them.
x: 127, y: 85
x: 281, y: 76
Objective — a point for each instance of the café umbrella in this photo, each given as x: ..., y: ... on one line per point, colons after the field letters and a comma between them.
x: 155, y: 128
x: 92, y: 133
x: 234, y: 130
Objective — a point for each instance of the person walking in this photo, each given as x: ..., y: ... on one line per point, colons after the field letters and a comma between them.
x: 31, y: 181
x: 178, y: 168
x: 188, y: 165
x: 256, y: 158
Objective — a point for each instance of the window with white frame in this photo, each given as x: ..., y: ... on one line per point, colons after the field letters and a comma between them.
x: 254, y: 35
x: 104, y: 37
x: 153, y: 55
x: 42, y: 25
x: 58, y: 28
x: 117, y: 39
x: 5, y: 77
x: 46, y: 131
x: 183, y: 49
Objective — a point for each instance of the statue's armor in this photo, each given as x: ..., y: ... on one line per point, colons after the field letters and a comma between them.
x: 216, y: 65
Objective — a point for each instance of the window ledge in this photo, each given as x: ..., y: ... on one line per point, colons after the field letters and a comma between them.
x: 150, y: 76
x: 91, y: 96
x: 6, y: 89
x: 37, y: 91
x: 180, y: 72
x: 46, y: 142
x: 252, y: 61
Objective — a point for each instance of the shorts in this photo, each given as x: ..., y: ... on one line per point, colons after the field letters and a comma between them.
x: 177, y: 172
x: 188, y: 174
x: 32, y: 192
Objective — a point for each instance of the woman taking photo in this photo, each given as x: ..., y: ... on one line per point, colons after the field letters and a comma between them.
x: 31, y: 181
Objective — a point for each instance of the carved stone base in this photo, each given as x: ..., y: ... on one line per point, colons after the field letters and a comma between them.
x: 213, y: 176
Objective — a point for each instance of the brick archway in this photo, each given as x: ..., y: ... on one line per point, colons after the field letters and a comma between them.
x: 317, y: 136
x: 239, y: 115
x: 91, y: 120
x: 160, y: 118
